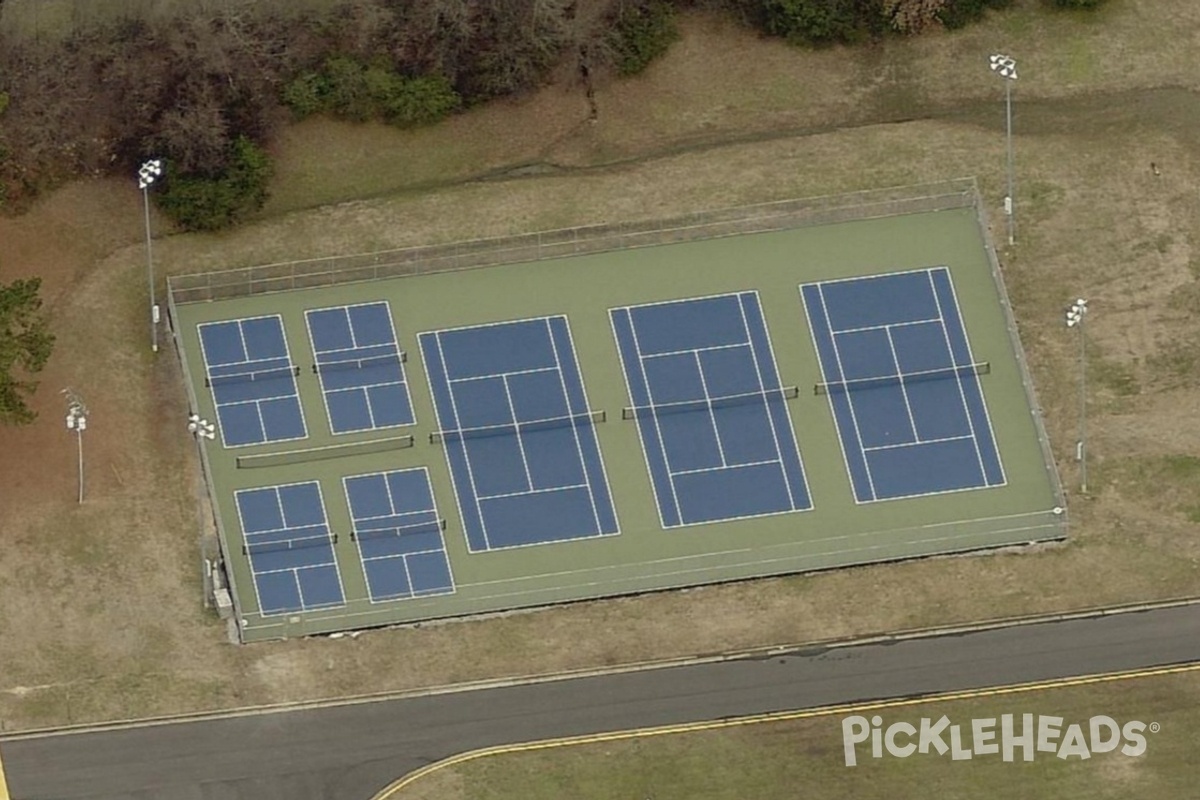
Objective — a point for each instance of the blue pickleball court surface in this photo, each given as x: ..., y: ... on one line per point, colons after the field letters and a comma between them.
x: 518, y: 433
x: 902, y: 384
x: 290, y: 547
x: 399, y: 534
x: 710, y: 409
x: 253, y: 381
x: 360, y: 366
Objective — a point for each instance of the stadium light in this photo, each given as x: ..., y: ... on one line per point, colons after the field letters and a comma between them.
x: 201, y: 428
x: 1075, y: 316
x: 1006, y: 68
x: 147, y: 175
x: 77, y: 421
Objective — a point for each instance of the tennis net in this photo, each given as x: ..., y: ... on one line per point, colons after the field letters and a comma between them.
x: 859, y: 384
x: 518, y: 427
x: 432, y: 526
x: 256, y: 548
x: 725, y: 401
x: 250, y: 377
x: 348, y: 364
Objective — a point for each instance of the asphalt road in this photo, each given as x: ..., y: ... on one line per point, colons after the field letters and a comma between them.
x: 351, y: 752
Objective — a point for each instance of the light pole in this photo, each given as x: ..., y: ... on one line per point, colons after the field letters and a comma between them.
x: 77, y: 421
x: 1075, y: 317
x: 147, y: 174
x: 1006, y: 68
x: 202, y: 430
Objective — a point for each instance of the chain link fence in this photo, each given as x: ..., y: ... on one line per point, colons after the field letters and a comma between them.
x: 780, y: 215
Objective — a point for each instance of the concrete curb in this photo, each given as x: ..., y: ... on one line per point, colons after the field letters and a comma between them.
x: 774, y: 651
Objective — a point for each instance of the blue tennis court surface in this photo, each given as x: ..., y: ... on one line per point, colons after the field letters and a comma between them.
x: 399, y: 534
x: 253, y: 381
x: 518, y: 433
x: 361, y: 367
x: 710, y: 409
x: 290, y: 548
x: 905, y: 393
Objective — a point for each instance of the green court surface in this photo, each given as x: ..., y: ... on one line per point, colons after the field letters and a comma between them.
x: 774, y: 260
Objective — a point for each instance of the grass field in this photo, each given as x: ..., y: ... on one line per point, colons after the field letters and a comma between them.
x: 805, y: 757
x: 103, y: 615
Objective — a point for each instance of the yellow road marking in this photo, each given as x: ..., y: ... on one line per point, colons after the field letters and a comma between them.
x: 779, y: 716
x: 3, y: 783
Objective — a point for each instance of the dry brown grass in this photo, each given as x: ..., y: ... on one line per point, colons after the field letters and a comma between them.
x: 102, y: 614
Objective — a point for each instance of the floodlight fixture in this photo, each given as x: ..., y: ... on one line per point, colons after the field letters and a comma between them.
x: 201, y: 428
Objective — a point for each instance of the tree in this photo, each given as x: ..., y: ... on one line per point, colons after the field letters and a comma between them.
x: 25, y: 345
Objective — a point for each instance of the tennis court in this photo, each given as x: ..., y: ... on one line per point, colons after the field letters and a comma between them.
x: 253, y: 381
x: 361, y: 367
x: 902, y: 384
x: 710, y: 409
x: 290, y: 547
x: 518, y: 433
x: 592, y: 419
x: 399, y: 534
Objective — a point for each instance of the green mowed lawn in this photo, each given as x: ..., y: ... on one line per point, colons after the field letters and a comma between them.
x: 805, y: 757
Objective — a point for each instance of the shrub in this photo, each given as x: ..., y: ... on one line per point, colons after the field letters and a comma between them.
x: 352, y: 90
x: 818, y: 22
x: 211, y: 202
x: 304, y: 95
x: 418, y: 101
x: 960, y: 13
x: 811, y: 21
x: 641, y: 33
x: 3, y: 102
x: 1077, y: 3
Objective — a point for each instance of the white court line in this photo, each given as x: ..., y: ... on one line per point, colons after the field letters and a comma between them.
x: 255, y: 572
x: 912, y: 421
x: 877, y: 276
x: 658, y: 501
x: 394, y: 344
x: 452, y: 589
x: 562, y: 382
x: 312, y: 341
x: 712, y: 415
x: 595, y: 436
x: 692, y: 350
x: 849, y: 397
x: 493, y: 375
x: 917, y: 444
x: 534, y: 491
x: 978, y: 384
x: 512, y: 412
x: 728, y: 466
x: 812, y: 332
x: 437, y: 339
x: 762, y: 386
x: 886, y: 325
x: 962, y: 395
x: 662, y: 444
